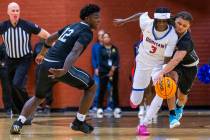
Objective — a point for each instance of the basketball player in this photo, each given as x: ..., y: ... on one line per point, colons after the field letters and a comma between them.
x: 182, y: 67
x: 71, y: 41
x: 159, y: 40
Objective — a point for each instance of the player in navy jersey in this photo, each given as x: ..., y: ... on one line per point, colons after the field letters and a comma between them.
x: 182, y: 67
x: 71, y: 41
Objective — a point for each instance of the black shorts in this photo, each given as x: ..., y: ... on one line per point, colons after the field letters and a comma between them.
x: 74, y: 77
x: 186, y: 77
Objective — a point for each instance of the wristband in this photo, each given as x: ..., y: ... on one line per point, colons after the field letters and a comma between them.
x: 47, y: 46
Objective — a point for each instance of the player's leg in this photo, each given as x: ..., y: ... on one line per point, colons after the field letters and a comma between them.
x: 81, y: 80
x: 153, y: 109
x: 140, y: 81
x: 173, y: 121
x: 42, y: 86
x: 185, y: 83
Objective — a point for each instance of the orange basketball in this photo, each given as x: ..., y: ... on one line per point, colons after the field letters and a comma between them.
x: 166, y: 88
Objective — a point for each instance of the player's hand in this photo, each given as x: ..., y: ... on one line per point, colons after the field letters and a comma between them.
x: 119, y: 22
x: 158, y: 77
x: 39, y: 58
x: 55, y: 73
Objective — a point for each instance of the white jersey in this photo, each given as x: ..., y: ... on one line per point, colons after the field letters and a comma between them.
x: 155, y: 45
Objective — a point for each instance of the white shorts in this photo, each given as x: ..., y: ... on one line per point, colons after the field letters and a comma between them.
x: 143, y: 75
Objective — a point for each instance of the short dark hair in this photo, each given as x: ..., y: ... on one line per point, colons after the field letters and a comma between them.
x: 162, y: 10
x: 184, y: 15
x: 88, y: 10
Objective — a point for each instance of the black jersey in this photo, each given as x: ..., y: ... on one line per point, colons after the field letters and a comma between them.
x: 80, y: 32
x: 185, y: 43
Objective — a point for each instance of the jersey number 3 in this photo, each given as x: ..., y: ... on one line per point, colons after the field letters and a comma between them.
x: 153, y: 49
x: 65, y: 34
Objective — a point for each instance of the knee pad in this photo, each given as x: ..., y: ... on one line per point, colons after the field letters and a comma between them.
x: 136, y: 97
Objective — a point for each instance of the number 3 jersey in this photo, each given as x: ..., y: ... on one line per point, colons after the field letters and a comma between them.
x: 155, y: 45
x: 70, y: 34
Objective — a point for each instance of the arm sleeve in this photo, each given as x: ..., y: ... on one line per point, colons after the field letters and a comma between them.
x: 33, y: 28
x: 144, y: 20
x: 171, y: 45
x: 85, y: 38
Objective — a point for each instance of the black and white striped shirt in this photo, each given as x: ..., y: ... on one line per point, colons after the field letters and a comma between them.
x: 18, y: 39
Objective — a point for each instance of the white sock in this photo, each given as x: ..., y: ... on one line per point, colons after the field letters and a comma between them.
x: 81, y: 117
x: 22, y: 119
x: 141, y: 108
x: 136, y: 97
x: 153, y: 109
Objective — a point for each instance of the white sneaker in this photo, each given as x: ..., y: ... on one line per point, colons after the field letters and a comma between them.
x: 117, y: 112
x: 99, y: 113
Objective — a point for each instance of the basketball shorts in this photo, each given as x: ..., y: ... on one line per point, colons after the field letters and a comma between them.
x: 75, y: 77
x: 186, y: 77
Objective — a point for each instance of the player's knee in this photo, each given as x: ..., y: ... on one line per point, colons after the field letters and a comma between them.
x: 136, y: 97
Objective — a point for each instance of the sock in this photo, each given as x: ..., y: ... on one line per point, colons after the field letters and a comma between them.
x: 153, y: 109
x: 172, y: 112
x: 141, y: 108
x: 81, y: 117
x: 136, y: 97
x: 179, y: 106
x: 22, y: 119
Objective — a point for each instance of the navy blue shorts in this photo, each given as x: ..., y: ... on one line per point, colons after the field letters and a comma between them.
x: 75, y: 77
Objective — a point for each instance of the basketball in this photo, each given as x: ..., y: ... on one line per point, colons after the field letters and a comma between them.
x: 166, y: 88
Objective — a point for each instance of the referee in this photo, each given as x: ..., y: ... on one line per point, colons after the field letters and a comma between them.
x: 16, y: 34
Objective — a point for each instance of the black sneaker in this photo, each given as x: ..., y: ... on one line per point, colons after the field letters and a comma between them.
x: 16, y: 127
x: 81, y: 126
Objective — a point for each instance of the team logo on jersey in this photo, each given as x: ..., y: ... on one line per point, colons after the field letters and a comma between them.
x: 154, y: 43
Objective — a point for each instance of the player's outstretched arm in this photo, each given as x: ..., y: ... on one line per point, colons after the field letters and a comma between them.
x: 120, y: 22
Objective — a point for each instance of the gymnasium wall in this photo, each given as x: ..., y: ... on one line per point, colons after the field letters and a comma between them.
x: 53, y: 15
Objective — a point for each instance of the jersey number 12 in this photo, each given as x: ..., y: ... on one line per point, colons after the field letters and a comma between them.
x: 65, y: 34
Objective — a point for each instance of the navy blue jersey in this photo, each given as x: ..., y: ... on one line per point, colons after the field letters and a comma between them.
x: 18, y: 39
x: 80, y: 32
x: 185, y: 43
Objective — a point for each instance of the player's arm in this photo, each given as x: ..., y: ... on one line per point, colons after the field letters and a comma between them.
x: 177, y: 58
x: 134, y: 17
x: 73, y: 55
x: 70, y: 59
x: 47, y: 44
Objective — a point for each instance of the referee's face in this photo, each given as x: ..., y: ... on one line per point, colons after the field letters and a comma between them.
x: 13, y: 12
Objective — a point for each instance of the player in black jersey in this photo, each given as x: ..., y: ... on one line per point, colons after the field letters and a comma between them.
x: 58, y: 62
x: 182, y: 67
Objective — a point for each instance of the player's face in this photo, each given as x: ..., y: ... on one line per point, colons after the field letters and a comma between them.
x: 14, y: 12
x: 94, y: 20
x: 106, y: 39
x: 161, y: 24
x: 181, y: 25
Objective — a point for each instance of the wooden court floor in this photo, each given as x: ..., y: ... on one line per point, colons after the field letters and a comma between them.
x: 194, y: 126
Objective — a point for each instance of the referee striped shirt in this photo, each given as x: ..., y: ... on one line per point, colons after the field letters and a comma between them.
x: 18, y: 39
